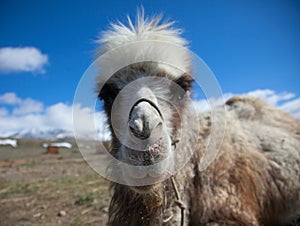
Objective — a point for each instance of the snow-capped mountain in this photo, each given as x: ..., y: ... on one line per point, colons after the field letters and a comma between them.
x: 53, y: 134
x: 39, y: 134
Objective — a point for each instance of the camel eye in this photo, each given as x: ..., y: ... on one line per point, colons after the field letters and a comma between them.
x: 177, y: 98
x: 108, y: 93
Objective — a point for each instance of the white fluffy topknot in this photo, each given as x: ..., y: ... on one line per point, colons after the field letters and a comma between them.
x: 145, y: 29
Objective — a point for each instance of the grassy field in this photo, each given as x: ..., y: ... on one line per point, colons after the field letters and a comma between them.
x: 46, y: 189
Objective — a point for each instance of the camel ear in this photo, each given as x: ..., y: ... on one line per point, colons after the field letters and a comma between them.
x: 185, y: 81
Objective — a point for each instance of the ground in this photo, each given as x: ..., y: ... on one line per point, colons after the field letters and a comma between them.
x: 49, y: 189
x: 37, y: 188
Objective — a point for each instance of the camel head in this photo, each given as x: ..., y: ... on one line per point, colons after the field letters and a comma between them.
x: 145, y: 99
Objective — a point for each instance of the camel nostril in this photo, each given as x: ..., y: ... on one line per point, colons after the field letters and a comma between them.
x: 143, y: 118
x: 137, y: 125
x: 140, y: 128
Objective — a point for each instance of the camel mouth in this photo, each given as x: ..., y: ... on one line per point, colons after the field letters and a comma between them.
x: 149, y: 176
x: 145, y: 177
x: 153, y: 153
x: 149, y: 165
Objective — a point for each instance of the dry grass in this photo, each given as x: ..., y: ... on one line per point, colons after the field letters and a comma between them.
x: 51, y: 190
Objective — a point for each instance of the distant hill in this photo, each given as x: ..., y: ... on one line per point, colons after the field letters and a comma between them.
x: 53, y: 134
x: 41, y: 134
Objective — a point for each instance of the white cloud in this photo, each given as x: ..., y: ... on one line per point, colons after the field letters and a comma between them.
x: 201, y: 105
x: 21, y: 106
x: 3, y: 112
x: 28, y: 106
x: 271, y: 97
x: 292, y: 107
x: 284, y: 100
x: 9, y: 98
x: 22, y: 59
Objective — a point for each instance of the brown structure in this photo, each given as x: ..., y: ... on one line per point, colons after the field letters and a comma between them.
x: 52, y: 150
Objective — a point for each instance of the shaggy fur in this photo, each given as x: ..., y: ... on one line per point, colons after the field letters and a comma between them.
x: 255, y: 179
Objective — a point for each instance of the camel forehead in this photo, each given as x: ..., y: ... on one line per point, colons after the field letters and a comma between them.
x: 128, y: 75
x: 144, y: 69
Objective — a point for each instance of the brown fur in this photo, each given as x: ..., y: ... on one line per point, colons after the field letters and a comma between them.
x: 254, y: 179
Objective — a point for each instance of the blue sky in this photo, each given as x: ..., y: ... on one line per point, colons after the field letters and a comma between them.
x: 249, y: 45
